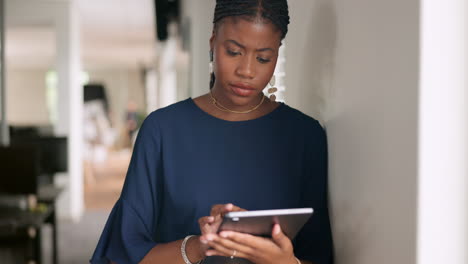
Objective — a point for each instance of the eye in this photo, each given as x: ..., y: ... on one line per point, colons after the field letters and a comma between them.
x: 232, y: 53
x: 262, y: 60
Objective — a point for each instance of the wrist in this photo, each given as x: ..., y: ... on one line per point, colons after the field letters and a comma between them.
x: 293, y: 260
x: 296, y: 260
x: 194, y: 249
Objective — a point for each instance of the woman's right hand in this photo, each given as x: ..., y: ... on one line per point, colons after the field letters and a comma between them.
x: 210, y: 224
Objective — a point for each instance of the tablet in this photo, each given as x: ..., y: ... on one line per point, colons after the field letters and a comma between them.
x: 260, y: 223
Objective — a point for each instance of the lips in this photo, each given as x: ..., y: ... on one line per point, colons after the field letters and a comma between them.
x: 243, y: 86
x: 242, y: 89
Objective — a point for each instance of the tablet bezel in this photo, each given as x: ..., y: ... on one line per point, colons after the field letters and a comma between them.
x: 260, y: 222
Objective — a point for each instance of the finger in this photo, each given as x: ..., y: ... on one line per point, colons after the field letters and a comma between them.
x: 206, y: 225
x: 217, y: 248
x: 226, y: 208
x: 220, y: 243
x: 220, y: 248
x: 215, y: 209
x: 206, y: 220
x: 220, y: 208
x: 237, y: 209
x: 251, y: 241
x: 206, y: 229
x: 217, y: 219
x: 213, y: 226
x: 280, y: 238
x: 213, y: 252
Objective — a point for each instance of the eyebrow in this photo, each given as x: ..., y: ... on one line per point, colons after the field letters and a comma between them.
x: 242, y: 46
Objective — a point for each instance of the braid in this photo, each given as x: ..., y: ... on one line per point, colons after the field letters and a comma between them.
x: 275, y: 11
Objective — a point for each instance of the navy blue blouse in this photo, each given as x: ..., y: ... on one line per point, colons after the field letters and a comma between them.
x: 186, y: 160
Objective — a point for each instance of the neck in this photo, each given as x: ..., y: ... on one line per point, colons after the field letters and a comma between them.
x: 241, y: 105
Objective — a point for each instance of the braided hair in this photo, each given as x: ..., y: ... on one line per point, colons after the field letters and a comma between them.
x: 275, y: 11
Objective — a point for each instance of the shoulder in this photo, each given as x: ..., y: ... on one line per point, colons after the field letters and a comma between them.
x: 168, y: 115
x: 300, y: 120
x: 311, y: 131
x: 171, y: 111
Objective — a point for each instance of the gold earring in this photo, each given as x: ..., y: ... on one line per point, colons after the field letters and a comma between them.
x: 272, y: 90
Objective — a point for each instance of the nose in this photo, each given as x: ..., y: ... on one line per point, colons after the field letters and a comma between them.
x: 246, y: 69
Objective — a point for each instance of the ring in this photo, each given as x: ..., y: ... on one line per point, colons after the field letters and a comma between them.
x: 233, y: 254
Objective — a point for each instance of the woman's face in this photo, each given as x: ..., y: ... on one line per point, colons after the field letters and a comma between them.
x: 245, y: 54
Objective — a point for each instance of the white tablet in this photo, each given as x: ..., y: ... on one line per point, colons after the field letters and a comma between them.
x: 260, y: 223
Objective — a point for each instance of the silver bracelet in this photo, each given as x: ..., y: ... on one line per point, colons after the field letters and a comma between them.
x: 182, y: 250
x: 298, y: 261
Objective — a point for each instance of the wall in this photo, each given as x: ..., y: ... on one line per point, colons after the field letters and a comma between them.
x: 201, y: 24
x: 310, y: 46
x: 443, y: 135
x: 26, y: 97
x: 122, y: 85
x: 353, y: 65
x: 60, y: 15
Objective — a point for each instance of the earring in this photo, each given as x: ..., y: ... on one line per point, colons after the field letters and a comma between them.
x: 273, y: 80
x: 272, y: 89
x: 210, y: 65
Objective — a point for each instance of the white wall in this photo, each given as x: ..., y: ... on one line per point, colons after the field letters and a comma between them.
x: 373, y: 131
x: 26, y: 97
x: 201, y: 21
x: 389, y: 80
x: 167, y: 81
x: 354, y: 64
x: 122, y: 85
x: 61, y: 16
x: 310, y: 47
x: 443, y: 135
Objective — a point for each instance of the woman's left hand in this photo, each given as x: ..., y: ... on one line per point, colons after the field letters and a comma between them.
x: 259, y: 250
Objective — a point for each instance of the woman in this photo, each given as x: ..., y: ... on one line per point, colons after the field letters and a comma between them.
x: 229, y: 149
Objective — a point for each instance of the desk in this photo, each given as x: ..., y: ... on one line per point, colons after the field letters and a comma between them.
x: 16, y: 224
x: 48, y: 194
x: 20, y: 227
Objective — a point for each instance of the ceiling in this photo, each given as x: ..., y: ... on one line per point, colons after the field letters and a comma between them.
x: 114, y: 34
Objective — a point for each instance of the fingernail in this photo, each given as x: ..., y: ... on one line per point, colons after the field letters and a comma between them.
x: 209, y: 253
x: 224, y: 234
x: 209, y: 237
x: 210, y: 218
x: 203, y: 241
x: 277, y: 229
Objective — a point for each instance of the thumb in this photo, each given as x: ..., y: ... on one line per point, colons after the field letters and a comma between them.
x: 279, y: 237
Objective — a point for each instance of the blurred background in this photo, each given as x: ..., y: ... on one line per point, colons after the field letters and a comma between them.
x: 387, y: 79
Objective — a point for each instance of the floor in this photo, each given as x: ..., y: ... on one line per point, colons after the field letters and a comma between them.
x: 103, y: 187
x: 77, y: 241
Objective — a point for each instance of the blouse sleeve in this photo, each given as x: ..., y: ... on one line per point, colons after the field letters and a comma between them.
x: 314, y: 241
x: 129, y: 232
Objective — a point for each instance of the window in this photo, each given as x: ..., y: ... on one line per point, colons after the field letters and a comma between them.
x: 52, y: 93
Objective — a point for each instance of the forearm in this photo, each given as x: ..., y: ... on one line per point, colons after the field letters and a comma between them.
x: 170, y: 252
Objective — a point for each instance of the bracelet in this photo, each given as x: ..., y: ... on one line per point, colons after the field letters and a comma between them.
x: 298, y: 261
x: 182, y: 249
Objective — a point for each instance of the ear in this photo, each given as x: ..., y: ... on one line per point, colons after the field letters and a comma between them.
x: 212, y: 39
